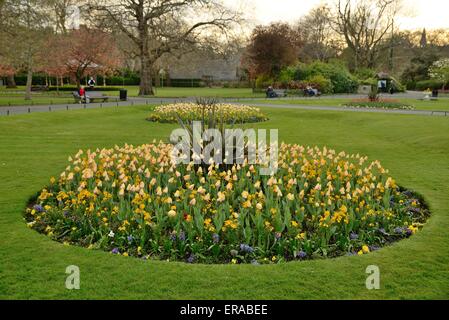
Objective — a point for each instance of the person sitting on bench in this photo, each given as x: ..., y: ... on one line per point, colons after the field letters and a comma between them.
x: 311, y: 92
x: 271, y: 93
x: 82, y: 93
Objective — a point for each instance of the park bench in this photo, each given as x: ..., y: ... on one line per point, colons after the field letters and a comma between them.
x: 307, y: 93
x: 280, y: 92
x: 39, y: 88
x: 91, y: 96
x: 277, y: 93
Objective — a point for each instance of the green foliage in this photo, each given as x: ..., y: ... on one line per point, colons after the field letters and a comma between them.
x: 74, y: 88
x: 287, y: 75
x: 321, y: 83
x: 433, y: 84
x: 365, y: 73
x: 396, y: 85
x: 264, y: 81
x: 341, y: 79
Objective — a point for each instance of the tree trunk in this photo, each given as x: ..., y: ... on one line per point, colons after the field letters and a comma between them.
x: 146, y: 85
x: 78, y: 82
x: 29, y: 83
x: 11, y: 82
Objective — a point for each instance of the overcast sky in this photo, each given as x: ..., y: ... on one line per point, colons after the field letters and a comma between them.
x: 428, y: 14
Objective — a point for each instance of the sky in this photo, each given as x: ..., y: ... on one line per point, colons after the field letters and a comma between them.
x: 419, y: 14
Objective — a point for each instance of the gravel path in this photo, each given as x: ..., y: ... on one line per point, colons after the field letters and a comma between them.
x: 14, y: 110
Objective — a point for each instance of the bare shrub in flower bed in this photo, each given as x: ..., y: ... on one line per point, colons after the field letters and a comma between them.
x: 379, y: 104
x: 133, y: 201
x: 187, y: 112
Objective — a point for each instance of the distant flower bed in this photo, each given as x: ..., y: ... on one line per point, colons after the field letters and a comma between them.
x: 133, y: 201
x: 382, y: 104
x: 188, y: 112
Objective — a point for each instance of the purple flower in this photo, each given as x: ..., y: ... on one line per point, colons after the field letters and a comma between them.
x: 115, y: 251
x: 382, y: 231
x: 399, y: 230
x: 182, y: 236
x: 173, y: 236
x: 255, y: 262
x: 301, y: 254
x: 65, y: 213
x: 130, y: 238
x: 38, y: 208
x: 353, y: 236
x: 374, y: 248
x: 246, y: 248
x: 216, y: 238
x: 409, y: 232
x: 191, y: 258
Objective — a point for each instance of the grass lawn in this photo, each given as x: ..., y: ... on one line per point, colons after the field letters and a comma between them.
x: 35, y: 147
x: 440, y: 105
x: 14, y: 98
x: 37, y: 100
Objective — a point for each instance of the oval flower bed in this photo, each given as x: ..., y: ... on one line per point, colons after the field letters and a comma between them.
x: 382, y: 104
x: 228, y: 113
x: 132, y: 201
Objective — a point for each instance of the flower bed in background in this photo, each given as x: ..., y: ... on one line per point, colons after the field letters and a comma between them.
x: 381, y: 104
x: 188, y: 112
x: 132, y: 201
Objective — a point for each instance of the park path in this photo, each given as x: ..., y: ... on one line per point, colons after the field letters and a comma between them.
x: 137, y: 101
x: 348, y: 109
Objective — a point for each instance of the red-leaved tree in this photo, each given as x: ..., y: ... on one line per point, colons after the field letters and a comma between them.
x: 81, y: 53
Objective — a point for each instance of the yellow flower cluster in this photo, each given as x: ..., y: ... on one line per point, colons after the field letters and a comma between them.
x: 133, y: 199
x: 228, y: 113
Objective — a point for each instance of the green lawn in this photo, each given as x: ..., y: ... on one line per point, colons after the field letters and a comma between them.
x: 14, y: 98
x: 440, y: 105
x: 35, y: 147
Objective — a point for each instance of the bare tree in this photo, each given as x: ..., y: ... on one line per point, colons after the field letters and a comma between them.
x: 317, y: 36
x: 28, y: 21
x: 365, y: 24
x: 158, y: 27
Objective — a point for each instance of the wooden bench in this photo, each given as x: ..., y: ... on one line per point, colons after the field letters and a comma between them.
x: 91, y: 97
x: 39, y: 88
x: 277, y: 93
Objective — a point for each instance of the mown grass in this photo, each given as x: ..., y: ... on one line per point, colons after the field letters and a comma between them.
x: 35, y: 147
x: 13, y: 97
x: 439, y: 105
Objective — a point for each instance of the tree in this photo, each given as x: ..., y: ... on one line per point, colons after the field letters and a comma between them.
x: 81, y: 53
x: 28, y: 21
x: 440, y: 70
x: 364, y: 24
x: 271, y: 48
x: 160, y: 27
x: 318, y: 38
x: 6, y: 69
